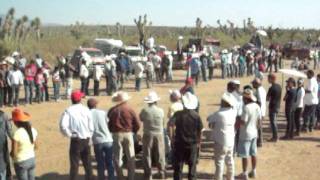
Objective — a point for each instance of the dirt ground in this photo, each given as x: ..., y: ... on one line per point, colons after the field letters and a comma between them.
x: 286, y: 160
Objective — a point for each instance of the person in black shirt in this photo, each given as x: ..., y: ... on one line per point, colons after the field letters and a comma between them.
x: 274, y: 98
x: 289, y: 107
x: 187, y: 137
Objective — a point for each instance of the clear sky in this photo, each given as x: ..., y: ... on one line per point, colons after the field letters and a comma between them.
x: 279, y: 13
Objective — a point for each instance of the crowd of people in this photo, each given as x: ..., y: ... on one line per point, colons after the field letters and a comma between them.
x: 237, y: 127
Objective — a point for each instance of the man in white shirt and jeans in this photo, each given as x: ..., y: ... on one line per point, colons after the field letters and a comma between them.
x: 299, y: 105
x: 222, y: 124
x: 248, y: 135
x: 311, y: 102
x: 77, y: 123
x: 15, y: 81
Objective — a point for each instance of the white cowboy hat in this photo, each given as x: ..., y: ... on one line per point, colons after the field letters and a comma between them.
x: 195, y: 55
x: 10, y: 60
x: 108, y: 58
x: 237, y: 82
x: 248, y: 93
x: 123, y: 53
x: 15, y: 53
x: 225, y: 51
x: 113, y: 56
x: 228, y: 98
x: 175, y: 93
x: 120, y: 97
x: 180, y: 37
x: 190, y: 101
x: 152, y: 97
x: 249, y: 52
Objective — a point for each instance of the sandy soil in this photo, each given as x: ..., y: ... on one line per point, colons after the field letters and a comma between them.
x: 286, y: 160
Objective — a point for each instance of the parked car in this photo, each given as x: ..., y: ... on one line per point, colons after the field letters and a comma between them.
x: 296, y: 49
x: 92, y: 56
x: 108, y: 46
x: 135, y: 53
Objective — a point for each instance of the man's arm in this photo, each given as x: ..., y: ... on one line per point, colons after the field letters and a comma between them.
x: 64, y: 124
x: 136, y: 123
x: 8, y: 127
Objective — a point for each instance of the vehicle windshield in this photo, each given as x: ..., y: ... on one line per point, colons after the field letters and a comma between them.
x: 95, y: 53
x: 135, y: 52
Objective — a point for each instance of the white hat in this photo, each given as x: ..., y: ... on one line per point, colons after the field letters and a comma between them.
x: 228, y: 98
x: 123, y: 53
x: 10, y: 60
x: 225, y: 51
x: 248, y: 93
x: 3, y: 63
x: 249, y: 52
x: 152, y: 97
x: 237, y: 82
x: 120, y: 97
x: 113, y: 56
x: 15, y: 53
x: 190, y: 101
x: 108, y: 58
x: 195, y: 55
x: 175, y: 93
x: 180, y: 37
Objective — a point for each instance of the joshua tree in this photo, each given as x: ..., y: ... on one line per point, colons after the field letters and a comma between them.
x: 200, y: 30
x: 118, y: 28
x: 8, y: 22
x: 36, y: 25
x: 270, y: 33
x: 220, y: 25
x: 232, y: 30
x: 141, y: 24
x: 24, y: 20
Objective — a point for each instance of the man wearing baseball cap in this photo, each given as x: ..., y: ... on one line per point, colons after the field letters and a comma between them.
x: 77, y: 123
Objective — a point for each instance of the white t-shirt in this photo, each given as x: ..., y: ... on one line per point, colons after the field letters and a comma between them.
x: 84, y: 72
x: 239, y: 103
x: 312, y: 97
x: 251, y: 115
x: 138, y: 70
x: 300, y: 96
x: 261, y: 95
x: 223, y: 126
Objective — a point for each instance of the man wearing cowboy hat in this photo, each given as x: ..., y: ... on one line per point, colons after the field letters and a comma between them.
x: 187, y: 137
x: 247, y: 146
x: 3, y: 83
x: 111, y: 75
x: 123, y: 124
x: 15, y: 81
x: 153, y: 120
x: 77, y: 123
x: 222, y: 124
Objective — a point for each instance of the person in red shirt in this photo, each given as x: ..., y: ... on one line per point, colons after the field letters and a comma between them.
x: 30, y: 73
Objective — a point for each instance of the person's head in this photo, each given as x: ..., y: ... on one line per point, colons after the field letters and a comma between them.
x: 247, y: 87
x: 22, y: 120
x: 15, y: 66
x: 230, y: 87
x: 83, y: 62
x: 92, y: 103
x: 300, y: 82
x: 76, y: 97
x: 175, y: 95
x: 318, y: 77
x: 120, y: 97
x: 37, y: 56
x: 256, y: 83
x: 272, y: 78
x: 248, y: 96
x: 310, y: 74
x: 227, y: 100
x: 236, y: 85
x: 291, y: 83
x: 152, y: 98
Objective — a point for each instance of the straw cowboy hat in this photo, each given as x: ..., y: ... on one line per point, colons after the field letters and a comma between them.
x: 190, y: 101
x: 15, y: 53
x: 152, y: 97
x: 236, y: 82
x: 228, y: 98
x: 225, y: 51
x: 195, y: 55
x: 120, y: 97
x: 248, y: 93
x: 175, y: 93
x: 19, y: 116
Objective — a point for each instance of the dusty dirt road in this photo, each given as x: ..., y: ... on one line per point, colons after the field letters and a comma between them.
x: 286, y: 160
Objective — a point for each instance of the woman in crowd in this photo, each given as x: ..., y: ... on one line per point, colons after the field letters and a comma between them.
x: 56, y: 80
x: 23, y: 145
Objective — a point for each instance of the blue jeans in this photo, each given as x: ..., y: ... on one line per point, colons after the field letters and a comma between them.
x: 25, y: 169
x: 103, y: 153
x: 309, y: 117
x: 138, y: 84
x: 28, y: 88
x: 56, y: 90
x: 3, y: 175
x: 273, y: 124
